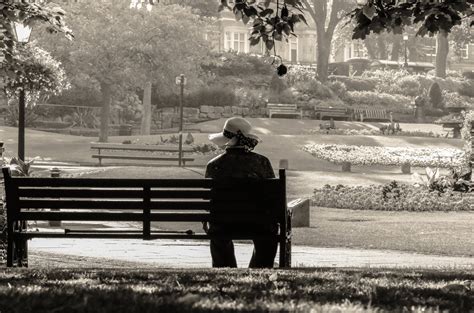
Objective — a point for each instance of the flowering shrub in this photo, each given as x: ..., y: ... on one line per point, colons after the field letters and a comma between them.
x: 300, y: 73
x: 391, y: 197
x: 370, y: 155
x: 37, y: 72
x: 453, y: 99
x: 395, y: 103
x: 374, y: 132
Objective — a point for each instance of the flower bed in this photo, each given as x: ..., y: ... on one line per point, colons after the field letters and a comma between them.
x: 370, y: 155
x: 375, y: 132
x: 392, y: 197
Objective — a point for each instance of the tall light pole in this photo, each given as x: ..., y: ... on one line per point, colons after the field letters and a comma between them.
x: 22, y: 34
x: 181, y: 81
x: 405, y: 40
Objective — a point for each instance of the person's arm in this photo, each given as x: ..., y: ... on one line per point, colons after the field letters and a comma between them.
x: 268, y: 169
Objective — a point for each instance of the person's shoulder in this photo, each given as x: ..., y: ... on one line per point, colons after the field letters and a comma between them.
x: 259, y: 156
x: 216, y: 159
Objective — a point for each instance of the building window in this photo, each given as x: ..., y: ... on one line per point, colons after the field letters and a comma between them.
x: 293, y: 53
x: 357, y: 50
x: 236, y: 41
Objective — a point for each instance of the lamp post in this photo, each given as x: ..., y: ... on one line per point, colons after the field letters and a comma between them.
x: 22, y: 34
x: 405, y: 40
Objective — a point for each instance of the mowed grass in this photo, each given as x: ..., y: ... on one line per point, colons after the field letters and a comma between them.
x: 212, y: 290
x: 440, y: 233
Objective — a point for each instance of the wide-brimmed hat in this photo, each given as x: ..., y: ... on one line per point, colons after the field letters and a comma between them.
x: 232, y: 127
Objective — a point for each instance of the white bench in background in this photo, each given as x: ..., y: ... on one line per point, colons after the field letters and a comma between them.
x: 283, y: 109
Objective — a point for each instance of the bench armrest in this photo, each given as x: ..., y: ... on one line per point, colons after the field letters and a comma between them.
x: 299, y: 211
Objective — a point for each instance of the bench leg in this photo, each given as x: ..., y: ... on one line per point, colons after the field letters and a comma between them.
x: 22, y: 245
x: 10, y: 246
x: 285, y: 245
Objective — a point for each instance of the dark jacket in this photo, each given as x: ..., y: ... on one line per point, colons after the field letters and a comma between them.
x: 236, y: 162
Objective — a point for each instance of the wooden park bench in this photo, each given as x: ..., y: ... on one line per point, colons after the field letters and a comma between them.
x: 330, y: 112
x: 245, y: 204
x: 138, y: 152
x: 369, y: 114
x: 283, y: 109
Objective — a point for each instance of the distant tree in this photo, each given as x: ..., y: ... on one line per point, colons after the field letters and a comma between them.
x: 119, y: 49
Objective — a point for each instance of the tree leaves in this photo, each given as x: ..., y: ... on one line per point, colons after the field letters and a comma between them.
x: 433, y: 16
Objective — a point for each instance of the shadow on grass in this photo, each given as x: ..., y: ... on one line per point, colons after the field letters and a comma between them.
x: 62, y: 290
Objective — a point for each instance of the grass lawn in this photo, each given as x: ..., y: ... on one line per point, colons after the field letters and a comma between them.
x: 441, y: 233
x: 214, y: 290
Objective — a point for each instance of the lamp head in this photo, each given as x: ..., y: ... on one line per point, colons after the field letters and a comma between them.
x: 22, y: 32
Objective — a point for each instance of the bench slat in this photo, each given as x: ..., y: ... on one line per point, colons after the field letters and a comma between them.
x: 110, y: 183
x: 113, y: 205
x: 111, y: 193
x: 79, y: 193
x: 131, y: 147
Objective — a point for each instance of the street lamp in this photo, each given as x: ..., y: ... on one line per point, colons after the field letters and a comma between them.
x: 22, y: 34
x: 405, y: 40
x: 361, y: 2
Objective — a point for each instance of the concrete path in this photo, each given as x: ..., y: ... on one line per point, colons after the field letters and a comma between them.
x: 175, y: 253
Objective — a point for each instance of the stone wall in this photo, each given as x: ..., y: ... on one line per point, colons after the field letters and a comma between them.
x: 169, y: 117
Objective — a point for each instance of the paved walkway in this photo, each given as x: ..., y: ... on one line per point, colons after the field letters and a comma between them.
x: 173, y: 253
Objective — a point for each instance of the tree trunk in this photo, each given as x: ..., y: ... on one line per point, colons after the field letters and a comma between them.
x: 324, y: 50
x: 442, y: 50
x: 105, y: 112
x: 146, y: 114
x: 371, y: 48
x: 396, y: 47
x: 382, y: 48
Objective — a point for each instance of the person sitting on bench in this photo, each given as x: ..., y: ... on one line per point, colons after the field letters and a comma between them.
x: 238, y: 161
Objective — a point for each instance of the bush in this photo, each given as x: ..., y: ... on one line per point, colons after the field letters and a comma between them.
x: 409, y: 86
x: 395, y: 103
x: 251, y: 98
x: 435, y: 112
x: 355, y: 84
x: 339, y: 88
x: 467, y: 89
x: 391, y: 197
x: 436, y: 97
x: 314, y: 89
x: 212, y: 96
x: 468, y: 74
x: 284, y: 97
x: 240, y: 65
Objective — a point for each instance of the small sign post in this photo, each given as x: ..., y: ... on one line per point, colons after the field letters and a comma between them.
x: 181, y: 80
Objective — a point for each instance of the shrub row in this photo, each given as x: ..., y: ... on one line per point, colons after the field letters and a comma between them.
x: 392, y: 197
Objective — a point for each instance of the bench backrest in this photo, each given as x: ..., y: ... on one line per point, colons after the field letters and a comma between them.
x: 281, y: 106
x: 325, y: 109
x: 146, y: 200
